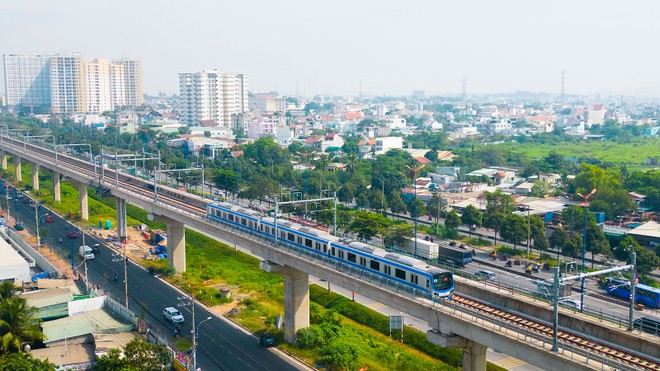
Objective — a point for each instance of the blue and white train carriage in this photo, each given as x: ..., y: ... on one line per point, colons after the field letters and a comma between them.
x: 404, y: 270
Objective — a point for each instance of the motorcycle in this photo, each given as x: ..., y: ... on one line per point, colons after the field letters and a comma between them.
x: 516, y: 262
x: 114, y: 278
x: 508, y: 263
x: 528, y: 270
x: 535, y: 268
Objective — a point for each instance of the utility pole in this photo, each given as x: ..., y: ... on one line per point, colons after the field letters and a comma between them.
x: 116, y: 259
x: 584, y: 244
x: 529, y: 228
x: 36, y: 221
x: 415, y: 170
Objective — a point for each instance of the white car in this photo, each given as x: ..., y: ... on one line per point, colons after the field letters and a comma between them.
x: 571, y: 303
x: 172, y: 315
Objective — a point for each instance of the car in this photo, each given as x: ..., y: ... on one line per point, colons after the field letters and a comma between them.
x: 26, y: 200
x: 172, y: 315
x: 265, y: 340
x: 486, y: 275
x: 571, y: 303
x: 452, y: 243
x: 19, y: 226
x: 49, y: 219
x: 96, y: 248
x: 71, y: 235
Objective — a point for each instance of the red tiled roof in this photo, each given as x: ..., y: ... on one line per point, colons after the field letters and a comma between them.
x: 209, y: 123
x: 314, y: 139
x: 423, y: 160
x: 354, y: 115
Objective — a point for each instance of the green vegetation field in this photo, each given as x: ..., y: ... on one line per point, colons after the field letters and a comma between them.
x: 634, y: 153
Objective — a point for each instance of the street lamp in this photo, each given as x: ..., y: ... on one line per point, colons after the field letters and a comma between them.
x: 415, y: 170
x: 584, y: 243
x: 196, y: 343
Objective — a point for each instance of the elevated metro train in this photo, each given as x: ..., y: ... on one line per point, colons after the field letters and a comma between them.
x: 433, y: 282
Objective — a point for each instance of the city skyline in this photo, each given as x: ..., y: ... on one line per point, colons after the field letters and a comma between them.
x: 378, y: 48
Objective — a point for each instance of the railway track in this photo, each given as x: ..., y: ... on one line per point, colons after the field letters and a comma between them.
x: 610, y: 352
x: 196, y: 205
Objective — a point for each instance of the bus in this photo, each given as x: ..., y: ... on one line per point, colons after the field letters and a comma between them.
x: 645, y: 295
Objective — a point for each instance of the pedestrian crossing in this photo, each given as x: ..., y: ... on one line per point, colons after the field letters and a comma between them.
x: 510, y: 362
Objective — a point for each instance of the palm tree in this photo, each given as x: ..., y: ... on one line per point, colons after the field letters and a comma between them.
x: 7, y: 290
x: 18, y: 324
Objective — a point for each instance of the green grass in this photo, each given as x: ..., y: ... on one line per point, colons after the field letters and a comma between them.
x: 634, y: 153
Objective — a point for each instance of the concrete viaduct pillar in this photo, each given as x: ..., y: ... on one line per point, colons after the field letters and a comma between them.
x: 121, y: 219
x: 57, y: 196
x: 17, y: 169
x: 176, y: 242
x: 35, y: 177
x: 474, y: 354
x: 3, y: 160
x: 84, y: 202
x: 296, y: 298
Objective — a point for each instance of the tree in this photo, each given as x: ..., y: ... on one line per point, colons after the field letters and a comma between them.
x: 472, y: 217
x: 452, y: 222
x: 24, y: 361
x: 558, y: 239
x: 421, y: 208
x: 225, y: 179
x: 573, y: 247
x: 146, y: 356
x: 434, y: 207
x: 113, y: 361
x: 514, y: 229
x: 396, y: 204
x: 7, y: 290
x: 596, y: 241
x: 18, y: 324
x: 498, y: 205
x: 622, y: 250
x: 368, y: 225
x: 396, y: 234
x: 537, y: 233
x: 646, y: 260
x: 539, y: 189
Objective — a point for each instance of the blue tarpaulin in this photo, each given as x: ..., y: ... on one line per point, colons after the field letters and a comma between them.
x: 40, y: 275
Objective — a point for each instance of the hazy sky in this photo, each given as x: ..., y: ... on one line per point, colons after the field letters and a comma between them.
x: 327, y: 47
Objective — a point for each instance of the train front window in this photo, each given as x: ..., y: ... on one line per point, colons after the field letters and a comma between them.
x: 443, y: 281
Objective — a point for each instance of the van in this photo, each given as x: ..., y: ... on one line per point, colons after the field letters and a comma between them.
x: 648, y: 325
x: 485, y: 275
x: 19, y: 194
x: 86, y: 252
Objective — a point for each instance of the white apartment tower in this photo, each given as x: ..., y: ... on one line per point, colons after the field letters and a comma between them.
x: 132, y: 81
x: 27, y: 79
x: 67, y: 84
x: 211, y: 95
x: 97, y: 86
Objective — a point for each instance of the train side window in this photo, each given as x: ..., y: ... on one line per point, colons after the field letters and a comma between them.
x: 388, y: 269
x: 341, y: 254
x: 374, y: 265
x: 243, y: 221
x: 299, y: 240
x: 325, y: 248
x: 291, y: 237
x: 413, y: 279
x: 333, y: 251
x: 231, y: 217
x: 351, y: 257
x: 363, y: 262
x: 427, y: 283
x: 308, y: 242
x: 400, y: 273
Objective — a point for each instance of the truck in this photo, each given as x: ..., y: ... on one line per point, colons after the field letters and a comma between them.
x: 425, y: 249
x: 455, y: 256
x: 86, y: 252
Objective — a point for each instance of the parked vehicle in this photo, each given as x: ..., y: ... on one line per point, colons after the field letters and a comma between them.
x: 486, y: 275
x: 172, y: 315
x: 71, y: 235
x: 265, y: 340
x: 19, y: 226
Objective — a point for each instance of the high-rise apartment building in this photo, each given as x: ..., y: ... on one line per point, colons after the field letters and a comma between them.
x: 97, y: 86
x: 67, y: 84
x: 27, y: 79
x: 132, y: 81
x: 211, y: 95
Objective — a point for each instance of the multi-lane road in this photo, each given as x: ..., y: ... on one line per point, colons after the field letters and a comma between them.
x: 222, y: 344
